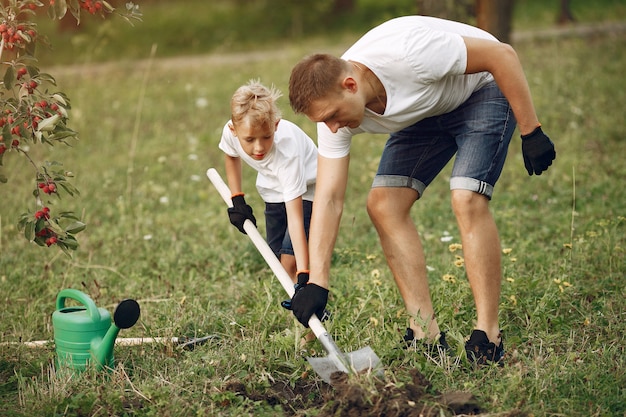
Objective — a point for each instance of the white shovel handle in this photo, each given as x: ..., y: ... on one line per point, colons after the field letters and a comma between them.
x: 314, y: 323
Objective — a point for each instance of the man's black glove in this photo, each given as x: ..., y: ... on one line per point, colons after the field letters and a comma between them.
x: 308, y: 299
x: 240, y: 212
x: 538, y: 151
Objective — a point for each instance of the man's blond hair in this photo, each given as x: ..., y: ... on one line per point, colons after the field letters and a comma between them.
x: 314, y: 77
x: 255, y: 102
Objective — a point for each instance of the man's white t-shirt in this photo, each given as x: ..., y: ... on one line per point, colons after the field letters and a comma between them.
x: 288, y: 170
x: 421, y: 63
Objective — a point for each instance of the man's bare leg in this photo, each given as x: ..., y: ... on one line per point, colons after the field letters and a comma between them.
x: 389, y: 209
x: 482, y: 253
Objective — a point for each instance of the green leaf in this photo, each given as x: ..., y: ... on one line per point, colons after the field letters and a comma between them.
x: 69, y: 188
x: 75, y: 227
x: 68, y: 215
x: 47, y: 77
x: 29, y: 231
x: 10, y: 77
x: 61, y: 8
x: 64, y: 248
x: 70, y: 242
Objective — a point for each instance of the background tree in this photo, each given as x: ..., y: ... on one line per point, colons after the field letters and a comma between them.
x: 565, y: 13
x: 459, y: 10
x: 35, y: 113
x: 495, y: 17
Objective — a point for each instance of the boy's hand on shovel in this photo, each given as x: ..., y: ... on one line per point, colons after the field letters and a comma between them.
x: 240, y: 212
x: 308, y: 299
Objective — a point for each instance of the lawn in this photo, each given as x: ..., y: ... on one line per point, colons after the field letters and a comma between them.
x: 157, y: 231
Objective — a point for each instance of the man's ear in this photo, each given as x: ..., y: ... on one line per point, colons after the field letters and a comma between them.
x: 232, y: 129
x: 350, y: 84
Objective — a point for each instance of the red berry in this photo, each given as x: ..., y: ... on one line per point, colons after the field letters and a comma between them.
x: 15, y: 143
x: 41, y: 184
x: 51, y: 241
x: 52, y: 188
x: 46, y: 189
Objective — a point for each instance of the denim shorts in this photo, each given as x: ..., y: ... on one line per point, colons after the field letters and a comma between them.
x: 278, y: 237
x: 478, y: 132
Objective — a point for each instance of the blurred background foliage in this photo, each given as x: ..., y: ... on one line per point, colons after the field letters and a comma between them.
x: 191, y: 27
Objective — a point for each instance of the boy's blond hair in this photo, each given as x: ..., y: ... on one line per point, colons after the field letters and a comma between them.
x: 255, y: 102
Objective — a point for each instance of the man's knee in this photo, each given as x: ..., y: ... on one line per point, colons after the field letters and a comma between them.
x: 468, y: 203
x: 389, y: 203
x: 374, y: 205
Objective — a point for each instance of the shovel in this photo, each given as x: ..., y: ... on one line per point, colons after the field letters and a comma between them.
x: 362, y: 360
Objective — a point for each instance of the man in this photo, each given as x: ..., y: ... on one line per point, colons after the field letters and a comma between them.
x: 439, y: 88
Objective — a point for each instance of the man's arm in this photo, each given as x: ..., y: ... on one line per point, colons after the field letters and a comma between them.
x: 502, y: 62
x: 330, y: 189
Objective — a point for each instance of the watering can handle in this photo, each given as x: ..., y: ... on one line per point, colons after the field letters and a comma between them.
x: 82, y: 298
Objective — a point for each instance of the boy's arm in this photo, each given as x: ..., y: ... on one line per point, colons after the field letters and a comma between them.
x: 232, y: 165
x: 295, y: 222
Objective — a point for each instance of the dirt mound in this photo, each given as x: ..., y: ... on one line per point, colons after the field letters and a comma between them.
x: 349, y: 397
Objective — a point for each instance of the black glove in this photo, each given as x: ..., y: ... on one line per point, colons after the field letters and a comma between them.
x: 308, y: 299
x: 538, y: 151
x: 240, y: 212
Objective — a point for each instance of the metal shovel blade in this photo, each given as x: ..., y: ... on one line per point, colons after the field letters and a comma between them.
x: 358, y: 362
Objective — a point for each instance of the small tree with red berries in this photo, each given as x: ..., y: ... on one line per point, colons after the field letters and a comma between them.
x: 34, y: 112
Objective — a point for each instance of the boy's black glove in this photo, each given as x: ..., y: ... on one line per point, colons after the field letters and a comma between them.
x: 538, y: 151
x: 240, y: 212
x: 308, y: 299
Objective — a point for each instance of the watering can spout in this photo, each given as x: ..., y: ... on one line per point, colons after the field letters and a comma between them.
x: 125, y: 316
x: 102, y: 349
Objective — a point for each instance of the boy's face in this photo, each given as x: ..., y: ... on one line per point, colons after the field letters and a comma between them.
x: 339, y: 109
x: 255, y: 139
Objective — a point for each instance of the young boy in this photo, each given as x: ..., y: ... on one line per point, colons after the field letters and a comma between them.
x: 286, y: 161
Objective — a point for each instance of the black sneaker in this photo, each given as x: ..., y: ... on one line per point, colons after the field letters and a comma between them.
x: 411, y: 342
x: 480, y: 351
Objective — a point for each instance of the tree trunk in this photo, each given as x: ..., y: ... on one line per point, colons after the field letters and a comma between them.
x: 459, y: 10
x: 495, y: 17
x: 343, y: 6
x: 565, y: 13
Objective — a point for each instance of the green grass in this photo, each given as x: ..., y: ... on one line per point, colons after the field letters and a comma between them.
x: 158, y: 232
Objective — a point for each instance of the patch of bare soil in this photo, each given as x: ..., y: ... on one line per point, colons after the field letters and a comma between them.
x: 346, y: 397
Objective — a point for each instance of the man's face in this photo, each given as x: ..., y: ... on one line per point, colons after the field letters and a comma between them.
x: 255, y: 139
x: 337, y: 110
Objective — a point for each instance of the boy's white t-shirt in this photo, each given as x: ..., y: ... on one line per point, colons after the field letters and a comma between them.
x: 288, y: 170
x: 421, y: 62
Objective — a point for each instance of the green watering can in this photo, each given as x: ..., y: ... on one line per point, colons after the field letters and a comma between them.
x: 84, y: 335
